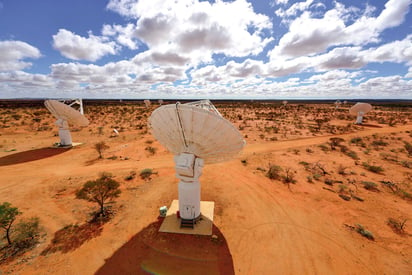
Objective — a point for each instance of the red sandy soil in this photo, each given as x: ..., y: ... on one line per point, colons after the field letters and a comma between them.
x: 262, y: 226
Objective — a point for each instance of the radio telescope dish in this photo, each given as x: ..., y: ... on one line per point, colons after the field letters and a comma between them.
x: 66, y: 115
x: 195, y: 133
x: 360, y: 109
x: 284, y: 102
x: 146, y: 103
x: 337, y: 104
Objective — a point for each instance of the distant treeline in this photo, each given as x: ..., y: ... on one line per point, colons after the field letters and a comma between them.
x: 9, y: 103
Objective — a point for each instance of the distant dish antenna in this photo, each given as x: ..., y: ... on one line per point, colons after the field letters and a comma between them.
x: 195, y: 133
x: 284, y: 102
x: 66, y: 115
x: 160, y: 101
x: 360, y: 109
x: 337, y: 104
x: 146, y: 103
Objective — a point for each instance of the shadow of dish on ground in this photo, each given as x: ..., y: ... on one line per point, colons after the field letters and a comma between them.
x: 154, y: 252
x: 369, y: 125
x: 31, y: 155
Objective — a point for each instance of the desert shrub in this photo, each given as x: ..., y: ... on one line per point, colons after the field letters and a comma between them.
x: 397, y: 225
x: 371, y: 186
x: 356, y: 140
x: 131, y: 175
x: 317, y: 176
x: 328, y: 181
x: 274, y: 172
x: 342, y: 188
x: 8, y: 215
x: 345, y: 197
x: 361, y: 230
x: 372, y: 168
x: 244, y: 161
x: 101, y: 190
x: 309, y: 150
x: 151, y: 150
x: 16, y: 116
x: 27, y: 233
x: 404, y: 194
x: 352, y: 154
x: 379, y: 143
x: 289, y: 176
x: 309, y: 179
x: 335, y: 142
x: 324, y: 147
x: 146, y: 174
x: 341, y: 170
x: 408, y: 148
x: 405, y: 163
x: 304, y: 163
x: 101, y: 147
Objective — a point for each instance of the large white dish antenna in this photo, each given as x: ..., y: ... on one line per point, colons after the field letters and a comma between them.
x: 359, y: 110
x: 202, y: 131
x: 195, y: 133
x: 65, y: 112
x: 65, y: 115
x: 147, y: 103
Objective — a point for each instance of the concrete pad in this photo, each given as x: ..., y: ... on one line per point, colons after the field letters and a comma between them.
x: 171, y: 223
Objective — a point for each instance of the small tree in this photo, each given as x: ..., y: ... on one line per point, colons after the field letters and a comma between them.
x: 335, y: 142
x: 7, y: 217
x: 100, y: 191
x: 100, y: 147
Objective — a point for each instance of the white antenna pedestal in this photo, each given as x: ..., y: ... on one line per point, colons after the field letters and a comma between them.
x: 64, y: 132
x: 188, y: 170
x: 359, y: 118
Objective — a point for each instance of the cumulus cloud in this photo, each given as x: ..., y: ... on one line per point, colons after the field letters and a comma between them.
x: 124, y: 35
x: 13, y: 52
x: 399, y: 51
x: 309, y: 35
x: 160, y: 58
x: 76, y: 47
x: 23, y: 79
x: 200, y: 29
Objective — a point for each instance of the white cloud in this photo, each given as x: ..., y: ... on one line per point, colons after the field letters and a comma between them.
x: 309, y: 35
x: 399, y: 51
x: 23, y: 79
x: 294, y: 9
x: 200, y: 29
x: 155, y: 58
x: 124, y: 34
x: 13, y: 52
x: 76, y: 47
x: 409, y: 74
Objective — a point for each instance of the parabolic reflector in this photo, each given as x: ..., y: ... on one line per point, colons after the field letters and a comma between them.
x: 360, y: 107
x: 65, y: 112
x: 186, y: 128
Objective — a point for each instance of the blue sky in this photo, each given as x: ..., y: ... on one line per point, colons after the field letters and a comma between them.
x: 256, y: 49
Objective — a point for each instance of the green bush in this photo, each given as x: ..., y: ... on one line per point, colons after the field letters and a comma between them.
x: 408, y: 148
x: 352, y: 154
x: 146, y: 174
x: 368, y: 185
x: 151, y: 150
x: 373, y: 168
x: 361, y: 230
x: 274, y: 172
